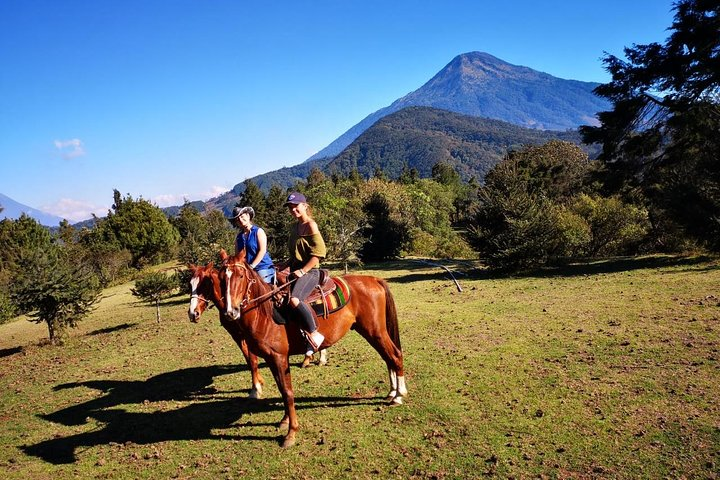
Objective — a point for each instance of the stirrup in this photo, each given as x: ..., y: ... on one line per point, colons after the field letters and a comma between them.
x: 315, y: 339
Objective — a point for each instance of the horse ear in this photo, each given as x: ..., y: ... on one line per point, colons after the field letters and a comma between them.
x: 241, y: 255
x: 223, y: 254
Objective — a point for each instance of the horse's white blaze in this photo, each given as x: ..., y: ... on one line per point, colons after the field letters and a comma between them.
x: 228, y: 272
x: 194, y: 296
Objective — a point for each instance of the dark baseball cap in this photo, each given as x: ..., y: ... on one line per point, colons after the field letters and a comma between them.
x: 295, y: 198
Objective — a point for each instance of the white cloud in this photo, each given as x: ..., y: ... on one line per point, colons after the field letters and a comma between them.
x: 70, y: 148
x: 171, y: 200
x: 215, y: 191
x: 75, y: 210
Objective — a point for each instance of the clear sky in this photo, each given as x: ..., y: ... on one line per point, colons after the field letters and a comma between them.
x: 174, y: 99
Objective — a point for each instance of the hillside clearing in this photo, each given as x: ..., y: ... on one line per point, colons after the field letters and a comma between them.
x: 599, y: 370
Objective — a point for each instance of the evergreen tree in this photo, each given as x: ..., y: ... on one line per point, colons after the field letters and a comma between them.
x: 661, y: 142
x: 55, y: 290
x: 153, y: 287
x: 384, y: 236
x: 141, y: 228
x: 253, y: 197
x: 277, y: 223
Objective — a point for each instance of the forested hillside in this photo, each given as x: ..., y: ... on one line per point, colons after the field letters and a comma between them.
x: 420, y: 137
x: 416, y: 138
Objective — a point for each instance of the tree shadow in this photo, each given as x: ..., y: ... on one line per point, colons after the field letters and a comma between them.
x: 6, y: 352
x: 116, y: 328
x: 463, y: 270
x: 419, y: 269
x: 621, y: 264
x: 175, y: 300
x: 209, y: 410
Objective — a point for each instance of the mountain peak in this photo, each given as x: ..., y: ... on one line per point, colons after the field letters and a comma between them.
x: 13, y: 209
x: 482, y: 85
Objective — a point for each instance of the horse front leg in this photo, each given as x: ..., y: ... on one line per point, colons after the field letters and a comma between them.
x: 280, y: 367
x: 252, y: 361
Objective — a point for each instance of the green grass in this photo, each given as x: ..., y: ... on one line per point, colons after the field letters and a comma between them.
x: 597, y: 370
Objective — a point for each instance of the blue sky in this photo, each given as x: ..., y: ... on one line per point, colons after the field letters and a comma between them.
x: 167, y: 100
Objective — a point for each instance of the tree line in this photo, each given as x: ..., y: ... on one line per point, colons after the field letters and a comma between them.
x: 654, y: 188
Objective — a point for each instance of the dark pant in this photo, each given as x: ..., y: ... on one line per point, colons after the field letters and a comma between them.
x: 302, y: 287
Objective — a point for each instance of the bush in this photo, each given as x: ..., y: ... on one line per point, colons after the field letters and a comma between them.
x: 616, y: 227
x: 7, y: 308
x: 154, y: 286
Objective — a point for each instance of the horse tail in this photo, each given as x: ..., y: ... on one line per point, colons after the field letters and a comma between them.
x: 391, y: 319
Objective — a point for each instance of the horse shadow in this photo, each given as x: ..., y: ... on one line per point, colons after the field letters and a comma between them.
x: 210, y: 411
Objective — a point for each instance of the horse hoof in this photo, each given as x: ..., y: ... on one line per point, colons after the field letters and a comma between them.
x: 289, y: 441
x: 396, y: 401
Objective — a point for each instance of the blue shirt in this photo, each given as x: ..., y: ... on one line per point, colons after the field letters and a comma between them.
x: 249, y: 242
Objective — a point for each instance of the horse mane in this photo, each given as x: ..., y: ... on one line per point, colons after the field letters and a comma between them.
x: 258, y: 287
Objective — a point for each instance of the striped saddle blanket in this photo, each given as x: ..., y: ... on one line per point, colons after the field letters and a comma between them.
x: 331, y: 296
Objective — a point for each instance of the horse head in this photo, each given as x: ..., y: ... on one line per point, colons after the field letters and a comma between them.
x: 205, y: 287
x: 238, y: 279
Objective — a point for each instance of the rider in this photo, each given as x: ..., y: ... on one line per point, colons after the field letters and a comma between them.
x: 254, y: 240
x: 306, y: 247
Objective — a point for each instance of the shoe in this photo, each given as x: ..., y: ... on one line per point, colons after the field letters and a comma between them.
x: 316, y: 339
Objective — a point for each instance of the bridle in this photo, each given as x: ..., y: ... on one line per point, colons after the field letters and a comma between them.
x: 248, y: 302
x: 246, y: 297
x: 198, y: 297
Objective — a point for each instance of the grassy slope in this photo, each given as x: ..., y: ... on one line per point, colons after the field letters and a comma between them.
x: 606, y: 370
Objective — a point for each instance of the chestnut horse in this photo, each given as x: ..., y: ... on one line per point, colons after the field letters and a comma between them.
x: 206, y: 287
x: 370, y: 311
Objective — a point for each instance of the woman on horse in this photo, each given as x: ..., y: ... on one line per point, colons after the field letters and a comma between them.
x: 254, y: 240
x: 306, y: 247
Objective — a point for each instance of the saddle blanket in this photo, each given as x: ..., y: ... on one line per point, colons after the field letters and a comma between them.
x: 332, y: 300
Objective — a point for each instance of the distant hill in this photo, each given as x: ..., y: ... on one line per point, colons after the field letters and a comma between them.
x: 482, y: 85
x: 418, y: 137
x: 13, y: 209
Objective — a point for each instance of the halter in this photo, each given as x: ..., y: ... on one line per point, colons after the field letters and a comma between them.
x: 198, y: 297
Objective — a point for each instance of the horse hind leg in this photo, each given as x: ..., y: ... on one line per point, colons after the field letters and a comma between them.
x: 322, y: 359
x: 398, y: 389
x: 393, y: 358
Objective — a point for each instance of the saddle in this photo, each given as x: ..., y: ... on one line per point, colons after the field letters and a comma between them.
x: 329, y: 296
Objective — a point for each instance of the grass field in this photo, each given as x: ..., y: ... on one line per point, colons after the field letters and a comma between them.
x: 598, y: 370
